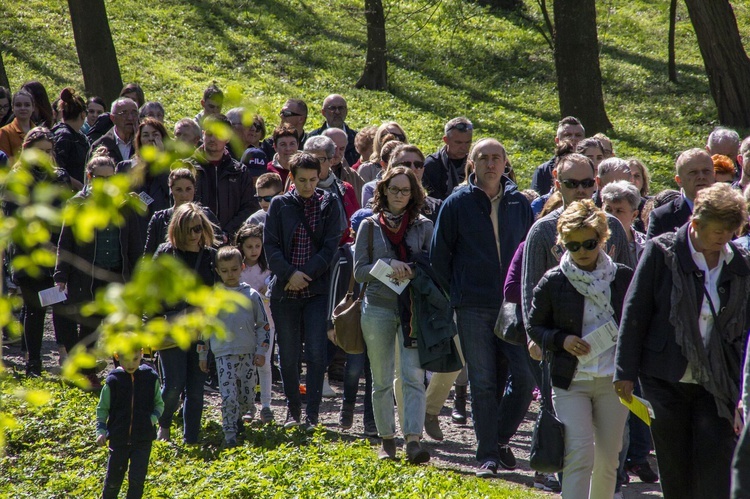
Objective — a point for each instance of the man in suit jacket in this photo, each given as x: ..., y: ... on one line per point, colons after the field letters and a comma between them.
x: 694, y: 171
x: 334, y: 111
x: 119, y: 139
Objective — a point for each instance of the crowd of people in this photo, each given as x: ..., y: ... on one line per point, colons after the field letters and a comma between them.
x: 288, y: 217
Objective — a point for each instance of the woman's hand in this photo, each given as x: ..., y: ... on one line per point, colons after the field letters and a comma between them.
x: 624, y: 389
x: 739, y: 424
x: 575, y: 345
x: 401, y: 270
x: 61, y: 286
x: 534, y: 351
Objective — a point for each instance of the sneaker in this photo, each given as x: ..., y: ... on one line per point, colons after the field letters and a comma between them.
x: 34, y: 368
x: 642, y: 471
x: 387, y: 449
x: 415, y: 453
x: 266, y: 415
x: 310, y: 424
x: 487, y: 470
x: 432, y: 427
x: 546, y: 482
x: 211, y: 385
x: 292, y: 419
x: 371, y: 429
x: 507, y: 460
x: 327, y: 390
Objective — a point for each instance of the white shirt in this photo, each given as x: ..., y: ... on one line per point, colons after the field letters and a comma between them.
x: 710, y: 281
x: 123, y: 146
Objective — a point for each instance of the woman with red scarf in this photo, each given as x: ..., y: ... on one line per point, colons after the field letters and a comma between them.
x: 397, y: 234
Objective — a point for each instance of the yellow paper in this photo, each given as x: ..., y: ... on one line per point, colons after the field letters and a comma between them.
x: 640, y: 407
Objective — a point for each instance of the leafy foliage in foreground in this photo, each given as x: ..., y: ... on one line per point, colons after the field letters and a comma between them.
x: 52, y: 449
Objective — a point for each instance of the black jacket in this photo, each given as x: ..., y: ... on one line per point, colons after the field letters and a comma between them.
x: 71, y: 149
x: 351, y: 155
x: 108, y: 140
x: 440, y: 176
x: 541, y: 181
x: 158, y: 226
x: 668, y: 218
x: 284, y: 215
x: 557, y: 311
x: 233, y: 198
x: 101, y: 126
x: 131, y: 405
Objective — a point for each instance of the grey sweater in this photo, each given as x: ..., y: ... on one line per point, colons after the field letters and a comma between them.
x: 542, y: 252
x: 418, y: 237
x: 247, y: 328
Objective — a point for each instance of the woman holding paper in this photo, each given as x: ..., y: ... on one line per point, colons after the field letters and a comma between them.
x: 683, y: 332
x: 399, y: 234
x: 580, y: 297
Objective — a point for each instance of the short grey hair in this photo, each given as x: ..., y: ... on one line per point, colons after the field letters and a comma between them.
x: 234, y: 115
x: 122, y: 100
x: 320, y: 143
x: 455, y: 121
x: 745, y: 147
x: 149, y: 106
x: 621, y: 190
x: 611, y: 165
x: 723, y: 135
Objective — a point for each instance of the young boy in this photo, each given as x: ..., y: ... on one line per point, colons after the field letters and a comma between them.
x: 267, y: 187
x: 129, y: 408
x: 243, y: 347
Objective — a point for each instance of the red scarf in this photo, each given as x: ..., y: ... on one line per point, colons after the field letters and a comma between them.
x: 397, y: 238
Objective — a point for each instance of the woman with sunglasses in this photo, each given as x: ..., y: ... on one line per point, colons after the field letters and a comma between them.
x: 182, y: 189
x: 389, y: 130
x: 191, y: 238
x: 584, y: 293
x: 399, y: 235
x: 412, y: 157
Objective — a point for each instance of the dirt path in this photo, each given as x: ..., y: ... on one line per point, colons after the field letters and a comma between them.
x: 455, y: 452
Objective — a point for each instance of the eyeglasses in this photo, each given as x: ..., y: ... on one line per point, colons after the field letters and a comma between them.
x: 461, y: 127
x: 395, y: 191
x: 129, y: 114
x: 411, y: 164
x: 196, y: 229
x: 5, y: 106
x: 336, y: 109
x: 588, y: 245
x: 570, y: 183
x: 322, y: 159
x: 286, y: 113
x: 400, y: 136
x: 267, y: 199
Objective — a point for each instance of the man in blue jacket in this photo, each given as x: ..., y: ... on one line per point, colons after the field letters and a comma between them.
x: 477, y: 232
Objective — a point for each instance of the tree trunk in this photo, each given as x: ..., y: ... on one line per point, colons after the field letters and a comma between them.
x: 724, y: 57
x: 579, y: 78
x: 96, y: 51
x: 375, y: 74
x: 671, y: 64
x: 3, y: 75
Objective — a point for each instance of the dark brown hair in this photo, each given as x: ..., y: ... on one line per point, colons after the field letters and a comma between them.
x: 380, y: 199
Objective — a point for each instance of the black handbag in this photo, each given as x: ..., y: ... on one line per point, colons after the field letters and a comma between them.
x: 548, y: 440
x: 508, y: 327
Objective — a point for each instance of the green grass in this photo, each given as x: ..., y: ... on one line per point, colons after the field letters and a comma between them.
x: 446, y: 59
x: 52, y: 449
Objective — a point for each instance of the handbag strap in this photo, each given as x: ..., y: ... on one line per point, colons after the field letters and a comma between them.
x: 371, y: 233
x: 546, y: 387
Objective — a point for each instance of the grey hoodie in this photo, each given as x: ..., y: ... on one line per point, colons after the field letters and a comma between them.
x: 247, y: 328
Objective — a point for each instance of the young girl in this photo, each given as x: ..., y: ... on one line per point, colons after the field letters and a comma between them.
x: 249, y: 240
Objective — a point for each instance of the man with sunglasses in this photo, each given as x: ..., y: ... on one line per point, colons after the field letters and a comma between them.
x: 574, y: 177
x: 478, y: 230
x: 446, y: 169
x: 294, y: 114
x: 569, y: 129
x: 334, y: 111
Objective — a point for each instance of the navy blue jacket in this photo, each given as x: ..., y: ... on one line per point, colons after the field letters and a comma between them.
x: 284, y: 215
x: 464, y: 252
x: 131, y: 405
x: 350, y: 154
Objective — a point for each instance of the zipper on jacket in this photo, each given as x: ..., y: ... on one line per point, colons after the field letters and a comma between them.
x: 132, y: 405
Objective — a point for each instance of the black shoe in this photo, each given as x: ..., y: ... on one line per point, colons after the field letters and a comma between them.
x: 642, y: 471
x: 387, y: 449
x: 292, y: 418
x: 371, y: 429
x: 346, y: 418
x: 459, y: 406
x: 311, y: 422
x: 34, y: 368
x: 415, y: 453
x: 487, y: 470
x: 507, y: 460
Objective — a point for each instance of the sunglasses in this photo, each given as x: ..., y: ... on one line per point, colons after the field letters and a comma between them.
x: 461, y: 127
x: 196, y: 229
x: 412, y: 164
x: 267, y: 199
x: 399, y: 136
x: 588, y: 245
x: 586, y: 183
x: 287, y: 113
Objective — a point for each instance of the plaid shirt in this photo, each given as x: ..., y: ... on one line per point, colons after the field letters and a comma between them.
x: 302, y: 243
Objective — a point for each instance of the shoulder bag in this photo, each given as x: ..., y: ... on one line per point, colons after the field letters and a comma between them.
x: 507, y: 326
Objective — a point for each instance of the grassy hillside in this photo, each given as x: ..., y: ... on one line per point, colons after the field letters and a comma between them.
x: 446, y: 59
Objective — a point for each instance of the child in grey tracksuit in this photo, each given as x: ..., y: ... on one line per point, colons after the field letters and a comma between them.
x: 244, y: 346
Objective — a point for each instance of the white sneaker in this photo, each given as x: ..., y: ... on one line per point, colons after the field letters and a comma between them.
x: 327, y: 390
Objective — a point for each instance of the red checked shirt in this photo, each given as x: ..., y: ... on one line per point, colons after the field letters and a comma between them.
x: 302, y: 243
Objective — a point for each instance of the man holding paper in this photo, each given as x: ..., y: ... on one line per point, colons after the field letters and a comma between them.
x: 574, y: 314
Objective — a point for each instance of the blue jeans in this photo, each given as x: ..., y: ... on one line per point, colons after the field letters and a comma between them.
x: 355, y: 365
x: 180, y: 372
x: 381, y: 328
x: 289, y: 316
x: 496, y: 419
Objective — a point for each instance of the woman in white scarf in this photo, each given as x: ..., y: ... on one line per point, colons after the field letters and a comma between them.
x: 582, y: 296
